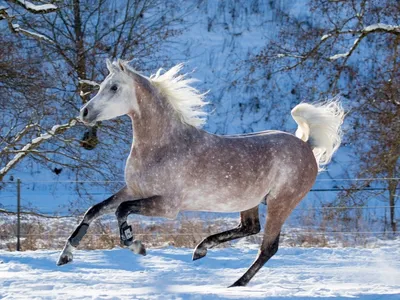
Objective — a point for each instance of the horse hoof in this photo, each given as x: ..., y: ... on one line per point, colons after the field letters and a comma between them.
x: 138, y: 248
x: 237, y: 283
x: 199, y: 253
x: 64, y: 259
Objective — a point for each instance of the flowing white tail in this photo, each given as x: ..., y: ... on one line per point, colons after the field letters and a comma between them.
x: 319, y: 125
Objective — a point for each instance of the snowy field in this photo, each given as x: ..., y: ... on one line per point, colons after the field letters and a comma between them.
x: 294, y: 273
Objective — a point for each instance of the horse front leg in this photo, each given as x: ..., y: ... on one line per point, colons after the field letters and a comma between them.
x: 154, y: 206
x: 107, y: 206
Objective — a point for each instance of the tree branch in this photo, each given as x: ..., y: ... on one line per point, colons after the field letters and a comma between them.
x: 35, y: 9
x: 15, y: 28
x: 379, y: 27
x: 57, y: 129
x: 18, y: 137
x: 37, y: 36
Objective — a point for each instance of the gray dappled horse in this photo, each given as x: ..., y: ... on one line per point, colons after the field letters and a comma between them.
x: 175, y: 166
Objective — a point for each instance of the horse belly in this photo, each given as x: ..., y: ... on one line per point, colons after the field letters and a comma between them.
x: 223, y: 202
x: 237, y: 187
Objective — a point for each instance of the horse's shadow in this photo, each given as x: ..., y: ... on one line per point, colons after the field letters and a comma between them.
x: 120, y: 259
x: 231, y: 258
x: 123, y: 259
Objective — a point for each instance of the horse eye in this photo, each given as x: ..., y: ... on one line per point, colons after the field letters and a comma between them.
x: 114, y: 87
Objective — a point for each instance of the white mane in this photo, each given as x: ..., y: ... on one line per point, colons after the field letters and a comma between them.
x: 185, y: 99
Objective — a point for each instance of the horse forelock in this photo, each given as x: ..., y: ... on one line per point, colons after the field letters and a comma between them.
x: 177, y: 88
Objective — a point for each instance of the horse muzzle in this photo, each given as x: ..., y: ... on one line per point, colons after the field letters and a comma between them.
x: 88, y: 115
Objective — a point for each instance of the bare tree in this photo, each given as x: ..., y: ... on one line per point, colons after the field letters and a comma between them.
x: 73, y: 40
x: 23, y: 103
x: 350, y: 48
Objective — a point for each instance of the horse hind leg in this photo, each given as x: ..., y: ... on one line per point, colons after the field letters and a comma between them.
x: 278, y: 211
x: 249, y: 225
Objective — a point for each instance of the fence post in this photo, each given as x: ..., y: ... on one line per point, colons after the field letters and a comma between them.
x: 18, y: 214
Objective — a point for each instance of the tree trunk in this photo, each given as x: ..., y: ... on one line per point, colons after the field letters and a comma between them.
x: 392, y: 192
x: 83, y: 89
x: 90, y: 139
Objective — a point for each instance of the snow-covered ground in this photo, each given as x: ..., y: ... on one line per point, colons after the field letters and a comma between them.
x: 294, y: 273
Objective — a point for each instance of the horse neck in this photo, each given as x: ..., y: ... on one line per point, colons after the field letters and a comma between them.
x: 156, y: 123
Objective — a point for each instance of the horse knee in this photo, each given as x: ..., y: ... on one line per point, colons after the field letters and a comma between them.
x: 250, y: 227
x: 256, y: 228
x: 122, y: 210
x: 92, y: 213
x: 78, y: 234
x: 101, y: 208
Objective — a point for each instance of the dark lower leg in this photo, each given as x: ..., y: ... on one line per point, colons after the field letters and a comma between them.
x: 249, y: 225
x: 152, y: 206
x: 92, y: 213
x: 263, y: 256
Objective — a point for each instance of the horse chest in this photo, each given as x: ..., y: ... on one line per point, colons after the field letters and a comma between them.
x: 149, y: 177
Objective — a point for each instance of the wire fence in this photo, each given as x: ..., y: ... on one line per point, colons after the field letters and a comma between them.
x: 326, y: 214
x: 122, y: 181
x: 205, y: 233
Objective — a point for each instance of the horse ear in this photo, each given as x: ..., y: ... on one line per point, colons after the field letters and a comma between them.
x: 121, y: 65
x: 113, y: 67
x: 109, y: 65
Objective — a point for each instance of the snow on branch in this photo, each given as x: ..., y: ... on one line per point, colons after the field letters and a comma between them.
x: 31, y: 34
x: 89, y: 82
x: 282, y: 55
x: 379, y: 27
x: 57, y: 129
x: 325, y: 37
x: 92, y: 84
x: 19, y: 136
x: 340, y: 55
x: 4, y: 14
x: 15, y: 28
x: 348, y: 53
x: 35, y: 9
x: 382, y: 28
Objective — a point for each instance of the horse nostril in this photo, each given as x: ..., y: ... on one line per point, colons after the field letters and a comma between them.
x: 85, y: 112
